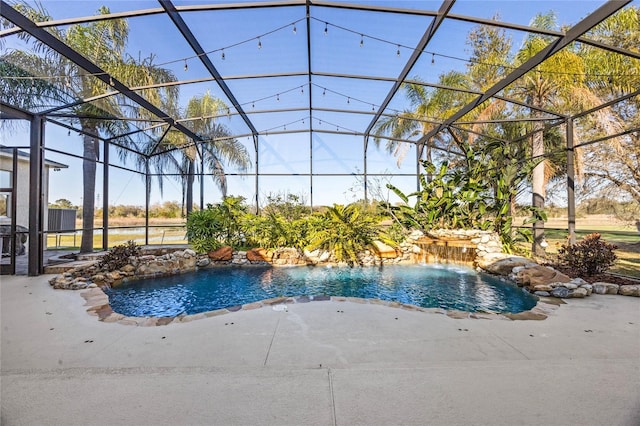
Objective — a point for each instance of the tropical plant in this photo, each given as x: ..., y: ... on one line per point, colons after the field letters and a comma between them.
x: 590, y: 256
x: 346, y: 231
x: 273, y: 230
x: 217, y: 225
x: 203, y: 230
x: 104, y: 43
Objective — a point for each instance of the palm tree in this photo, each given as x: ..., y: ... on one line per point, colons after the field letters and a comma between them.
x: 104, y: 43
x: 557, y: 84
x: 428, y: 108
x: 614, y: 164
x: 217, y: 149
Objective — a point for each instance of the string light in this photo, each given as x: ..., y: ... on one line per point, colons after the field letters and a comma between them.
x: 348, y: 100
x: 361, y: 40
x: 69, y: 133
x: 186, y: 65
x: 253, y: 104
x: 295, y: 30
x: 398, y: 51
x: 223, y: 54
x: 278, y: 97
x: 301, y: 89
x: 326, y: 28
x: 324, y: 91
x: 433, y: 58
x: 259, y: 43
x: 373, y: 107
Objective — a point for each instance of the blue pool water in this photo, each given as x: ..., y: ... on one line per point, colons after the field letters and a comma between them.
x: 429, y: 286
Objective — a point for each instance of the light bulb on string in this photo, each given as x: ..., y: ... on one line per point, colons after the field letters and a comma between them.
x: 324, y: 91
x: 186, y: 65
x: 348, y: 100
x: 361, y: 40
x: 398, y: 51
x: 373, y: 107
x: 223, y: 55
x: 301, y: 89
x: 326, y: 28
x: 69, y: 133
x: 278, y: 97
x: 253, y: 104
x: 295, y: 30
x: 433, y: 58
x: 259, y: 43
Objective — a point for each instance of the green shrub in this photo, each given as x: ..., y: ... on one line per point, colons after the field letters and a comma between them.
x: 273, y: 230
x: 588, y: 257
x: 217, y: 225
x: 346, y: 231
x: 119, y: 255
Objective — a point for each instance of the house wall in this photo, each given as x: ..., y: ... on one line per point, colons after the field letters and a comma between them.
x: 22, y: 189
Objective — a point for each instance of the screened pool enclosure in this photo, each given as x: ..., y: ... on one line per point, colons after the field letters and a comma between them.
x: 145, y: 103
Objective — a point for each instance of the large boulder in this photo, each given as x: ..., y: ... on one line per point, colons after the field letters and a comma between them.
x: 540, y: 275
x: 259, y: 255
x: 500, y: 263
x: 222, y: 254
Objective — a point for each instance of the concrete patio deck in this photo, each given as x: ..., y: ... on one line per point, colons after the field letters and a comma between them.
x: 320, y: 363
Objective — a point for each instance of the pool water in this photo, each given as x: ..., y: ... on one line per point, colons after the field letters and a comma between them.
x: 428, y: 286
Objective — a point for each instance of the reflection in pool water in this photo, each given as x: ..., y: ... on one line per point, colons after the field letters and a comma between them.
x: 429, y: 286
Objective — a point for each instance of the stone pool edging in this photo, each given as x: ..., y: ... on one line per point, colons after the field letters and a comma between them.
x: 98, y: 305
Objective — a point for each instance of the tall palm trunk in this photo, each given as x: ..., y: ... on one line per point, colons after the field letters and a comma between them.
x: 189, y: 197
x: 89, y: 189
x: 538, y: 186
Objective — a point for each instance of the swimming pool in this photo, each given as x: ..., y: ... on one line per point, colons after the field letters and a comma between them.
x: 428, y: 286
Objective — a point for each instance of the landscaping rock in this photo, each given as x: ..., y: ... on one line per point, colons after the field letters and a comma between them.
x: 579, y: 293
x: 537, y: 275
x: 561, y: 292
x: 222, y: 254
x: 288, y: 256
x: 259, y: 255
x: 605, y: 288
x: 629, y: 290
x: 205, y: 261
x: 543, y: 287
x: 500, y: 263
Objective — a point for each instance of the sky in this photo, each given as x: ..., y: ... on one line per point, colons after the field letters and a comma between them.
x: 355, y: 43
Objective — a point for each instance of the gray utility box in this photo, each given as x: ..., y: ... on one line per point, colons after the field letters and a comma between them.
x: 62, y: 220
